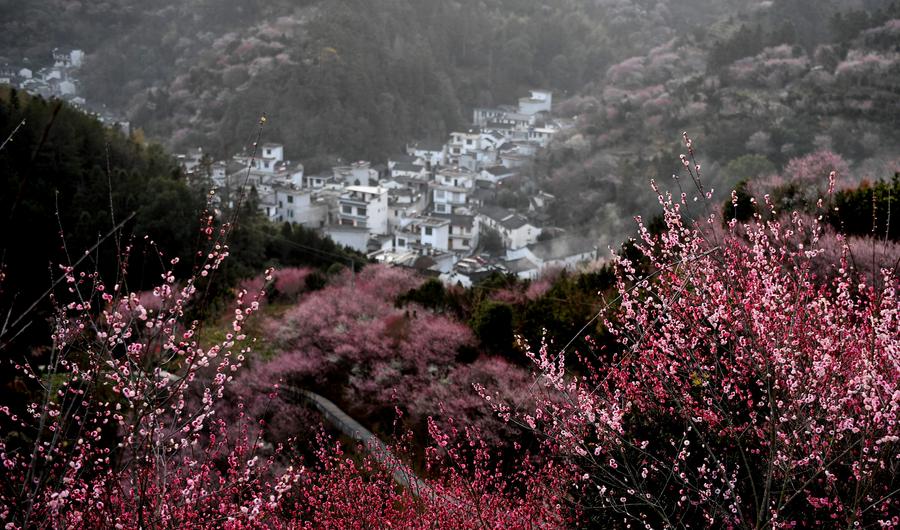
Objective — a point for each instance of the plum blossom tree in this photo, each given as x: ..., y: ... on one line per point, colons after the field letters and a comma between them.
x: 120, y: 426
x: 743, y: 393
x: 125, y: 426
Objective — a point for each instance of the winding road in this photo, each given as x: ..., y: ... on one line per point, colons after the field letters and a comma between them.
x: 401, y: 473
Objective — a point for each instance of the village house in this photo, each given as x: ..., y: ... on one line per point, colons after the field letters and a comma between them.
x: 408, y: 169
x: 355, y: 237
x: 431, y: 153
x: 522, y: 268
x: 462, y: 142
x: 482, y: 116
x: 364, y: 207
x: 463, y: 236
x: 356, y: 174
x: 541, y: 135
x: 296, y: 206
x: 434, y: 232
x: 515, y: 229
x: 561, y: 253
x: 450, y: 190
x: 468, y: 271
x: 404, y: 203
x: 407, y: 238
x: 496, y: 174
x: 512, y: 122
x: 540, y: 101
x: 318, y: 181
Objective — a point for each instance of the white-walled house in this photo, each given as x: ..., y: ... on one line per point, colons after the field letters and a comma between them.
x: 295, y: 174
x: 25, y: 73
x: 477, y: 159
x: 539, y: 101
x: 541, y: 135
x: 432, y: 153
x: 482, y: 116
x: 513, y: 159
x: 218, y: 172
x: 354, y: 237
x: 273, y: 151
x: 406, y: 239
x: 404, y: 203
x: 66, y: 88
x: 409, y: 170
x: 515, y: 230
x: 463, y: 237
x: 365, y: 207
x: 496, y: 174
x: 434, y: 232
x: 450, y: 189
x: 356, y: 174
x: 76, y: 58
x: 512, y: 122
x: 296, y: 206
x: 318, y: 181
x: 462, y: 142
x: 523, y: 268
x: 558, y: 253
x: 268, y: 158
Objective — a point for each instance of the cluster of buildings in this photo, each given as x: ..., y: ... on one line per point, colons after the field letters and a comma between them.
x: 57, y: 77
x: 432, y: 207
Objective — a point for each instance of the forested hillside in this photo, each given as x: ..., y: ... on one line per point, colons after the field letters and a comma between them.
x: 351, y: 78
x: 67, y: 182
x: 756, y: 90
x: 175, y: 359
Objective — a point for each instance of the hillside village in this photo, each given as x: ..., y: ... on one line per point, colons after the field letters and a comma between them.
x: 57, y: 77
x: 431, y: 208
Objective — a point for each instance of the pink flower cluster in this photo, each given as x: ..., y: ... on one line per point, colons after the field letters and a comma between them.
x: 743, y: 392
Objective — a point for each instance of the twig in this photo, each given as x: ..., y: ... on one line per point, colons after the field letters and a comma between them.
x: 34, y: 304
x: 13, y: 133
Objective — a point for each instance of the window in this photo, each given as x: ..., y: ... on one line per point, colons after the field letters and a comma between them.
x: 361, y: 212
x: 438, y: 194
x: 290, y: 198
x: 464, y: 243
x: 280, y: 205
x: 347, y: 209
x: 401, y: 242
x: 468, y: 142
x: 440, y: 208
x: 428, y: 230
x: 291, y: 214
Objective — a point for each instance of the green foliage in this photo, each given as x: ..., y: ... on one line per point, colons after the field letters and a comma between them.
x: 316, y: 281
x: 295, y: 245
x: 63, y: 172
x: 431, y: 295
x: 352, y: 79
x: 746, y: 42
x: 868, y: 210
x: 492, y: 323
x: 490, y: 240
x: 743, y: 209
x: 559, y: 314
x: 749, y: 166
x: 63, y: 163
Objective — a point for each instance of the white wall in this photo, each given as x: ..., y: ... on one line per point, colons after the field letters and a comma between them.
x: 439, y: 237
